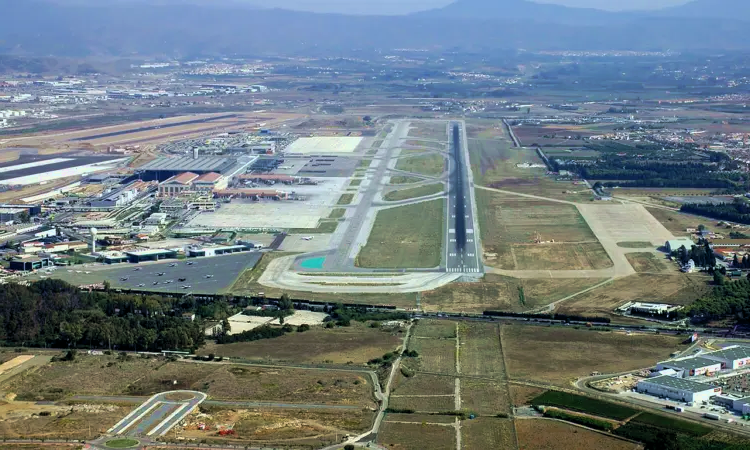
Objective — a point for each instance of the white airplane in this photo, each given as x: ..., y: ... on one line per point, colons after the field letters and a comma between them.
x: 307, y: 238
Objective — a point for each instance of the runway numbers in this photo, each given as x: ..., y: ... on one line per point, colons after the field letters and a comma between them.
x: 470, y: 240
x: 453, y: 240
x: 469, y: 231
x: 471, y: 255
x: 452, y: 254
x: 452, y: 231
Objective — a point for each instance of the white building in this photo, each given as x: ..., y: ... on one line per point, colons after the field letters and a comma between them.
x: 691, y: 367
x: 733, y: 357
x: 679, y: 389
x: 157, y: 219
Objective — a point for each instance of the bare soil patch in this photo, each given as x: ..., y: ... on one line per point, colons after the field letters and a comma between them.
x: 545, y: 434
x: 398, y: 436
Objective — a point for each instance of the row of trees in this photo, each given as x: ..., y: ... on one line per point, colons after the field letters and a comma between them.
x: 738, y: 211
x: 726, y: 300
x: 52, y: 313
x: 701, y: 254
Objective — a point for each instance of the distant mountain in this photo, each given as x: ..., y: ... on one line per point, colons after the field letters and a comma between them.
x: 716, y: 9
x: 174, y: 28
x: 524, y: 10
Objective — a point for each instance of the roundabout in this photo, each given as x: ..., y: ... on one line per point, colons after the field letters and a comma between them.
x: 121, y: 443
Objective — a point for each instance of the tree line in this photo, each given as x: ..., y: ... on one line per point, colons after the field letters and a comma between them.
x: 52, y: 313
x: 738, y: 211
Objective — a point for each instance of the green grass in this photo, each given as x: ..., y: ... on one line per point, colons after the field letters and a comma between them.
x: 121, y: 443
x: 345, y: 199
x: 324, y: 227
x: 668, y: 423
x: 432, y: 165
x: 355, y: 183
x: 421, y: 191
x: 400, y: 179
x: 405, y: 237
x: 365, y: 163
x: 337, y: 213
x: 635, y: 244
x: 584, y: 404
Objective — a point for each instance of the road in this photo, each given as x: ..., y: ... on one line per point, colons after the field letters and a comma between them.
x: 159, y: 414
x: 462, y: 255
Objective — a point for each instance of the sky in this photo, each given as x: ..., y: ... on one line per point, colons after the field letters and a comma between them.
x: 407, y: 6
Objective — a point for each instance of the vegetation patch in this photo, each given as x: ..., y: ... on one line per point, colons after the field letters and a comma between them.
x: 647, y: 262
x: 643, y: 244
x: 586, y: 421
x: 401, y: 179
x: 584, y: 404
x: 421, y: 191
x: 430, y: 164
x: 121, y: 443
x: 345, y: 199
x: 405, y: 237
x: 669, y: 423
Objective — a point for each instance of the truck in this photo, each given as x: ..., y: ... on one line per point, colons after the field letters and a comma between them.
x: 679, y: 409
x: 711, y: 416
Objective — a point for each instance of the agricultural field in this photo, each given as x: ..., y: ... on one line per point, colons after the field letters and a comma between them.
x: 650, y: 263
x: 423, y: 384
x: 588, y: 256
x: 435, y: 355
x: 428, y: 404
x: 480, y: 353
x: 486, y: 433
x: 484, y: 398
x: 421, y: 191
x: 583, y: 404
x: 679, y: 289
x: 406, y: 237
x: 499, y: 293
x: 435, y: 329
x: 356, y: 344
x: 562, y: 354
x: 521, y: 395
x: 429, y: 164
x: 506, y: 221
x: 408, y: 436
x: 544, y: 434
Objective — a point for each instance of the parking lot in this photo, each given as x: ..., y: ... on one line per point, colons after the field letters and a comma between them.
x: 203, y: 275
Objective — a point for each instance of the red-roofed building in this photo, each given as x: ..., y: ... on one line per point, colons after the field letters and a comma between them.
x: 178, y: 184
x: 210, y: 181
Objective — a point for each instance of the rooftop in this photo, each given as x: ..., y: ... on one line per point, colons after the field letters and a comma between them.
x: 690, y: 363
x: 211, y: 177
x: 150, y: 252
x: 730, y: 242
x: 183, y: 178
x: 731, y: 353
x: 190, y: 164
x: 683, y: 384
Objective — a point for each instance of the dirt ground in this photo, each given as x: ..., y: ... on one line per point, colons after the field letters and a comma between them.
x: 680, y: 289
x: 423, y: 384
x: 28, y: 420
x: 484, y: 398
x: 545, y: 434
x: 480, y: 350
x: 563, y: 354
x: 522, y: 395
x: 400, y: 436
x: 677, y: 223
x: 487, y: 433
x: 272, y: 428
x: 435, y: 355
x: 356, y: 344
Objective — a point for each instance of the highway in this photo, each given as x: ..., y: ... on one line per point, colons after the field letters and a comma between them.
x: 462, y: 255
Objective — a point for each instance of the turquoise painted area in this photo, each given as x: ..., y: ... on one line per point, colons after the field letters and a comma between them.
x: 313, y: 263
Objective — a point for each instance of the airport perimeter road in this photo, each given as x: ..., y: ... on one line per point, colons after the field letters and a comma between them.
x: 159, y: 414
x: 462, y: 255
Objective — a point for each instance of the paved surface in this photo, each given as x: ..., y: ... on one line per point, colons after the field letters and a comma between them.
x: 462, y: 255
x: 157, y: 415
x: 224, y: 270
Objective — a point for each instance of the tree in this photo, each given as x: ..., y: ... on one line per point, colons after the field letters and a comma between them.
x: 701, y: 227
x: 24, y: 217
x: 107, y: 286
x: 719, y: 279
x: 349, y: 447
x: 285, y: 303
x: 226, y: 328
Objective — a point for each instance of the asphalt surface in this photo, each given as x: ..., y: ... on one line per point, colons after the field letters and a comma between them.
x: 462, y: 255
x: 155, y: 127
x: 157, y: 415
x: 224, y: 270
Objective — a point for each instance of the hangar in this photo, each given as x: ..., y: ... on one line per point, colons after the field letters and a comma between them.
x: 733, y: 357
x: 691, y: 367
x: 162, y: 169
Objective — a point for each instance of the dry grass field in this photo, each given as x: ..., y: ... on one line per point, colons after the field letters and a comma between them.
x: 419, y: 418
x: 562, y: 354
x: 423, y: 404
x: 650, y: 262
x: 107, y: 376
x: 588, y: 256
x: 405, y: 237
x: 545, y: 434
x: 680, y: 289
x: 677, y: 222
x: 435, y: 355
x: 506, y: 221
x: 499, y: 293
x: 355, y: 345
x: 423, y: 384
x: 429, y: 144
x: 487, y: 433
x: 78, y: 422
x: 429, y: 130
x: 484, y: 398
x: 435, y: 329
x: 400, y: 436
x: 521, y: 395
x: 480, y: 353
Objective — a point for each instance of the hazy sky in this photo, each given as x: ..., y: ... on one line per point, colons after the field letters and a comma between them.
x: 406, y: 6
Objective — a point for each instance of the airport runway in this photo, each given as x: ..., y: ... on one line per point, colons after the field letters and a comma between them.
x: 462, y: 255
